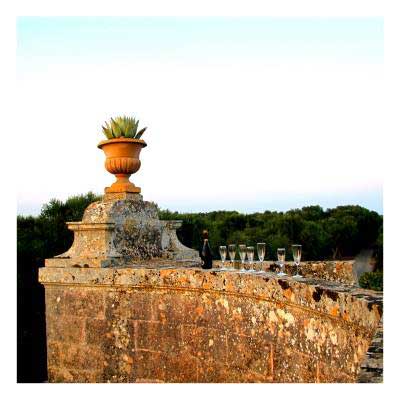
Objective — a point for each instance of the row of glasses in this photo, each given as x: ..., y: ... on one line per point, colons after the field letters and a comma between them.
x: 296, y: 251
x: 248, y: 251
x: 244, y: 251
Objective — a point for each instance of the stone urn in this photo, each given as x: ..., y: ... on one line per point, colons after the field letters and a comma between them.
x: 122, y: 160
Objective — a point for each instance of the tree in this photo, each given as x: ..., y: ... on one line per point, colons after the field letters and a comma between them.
x: 315, y: 241
x: 341, y: 231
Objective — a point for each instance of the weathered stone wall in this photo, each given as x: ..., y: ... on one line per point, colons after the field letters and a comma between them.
x: 171, y: 324
x: 372, y: 366
x: 334, y: 271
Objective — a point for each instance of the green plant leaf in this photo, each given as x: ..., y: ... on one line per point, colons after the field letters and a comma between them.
x: 133, y: 127
x: 107, y: 132
x: 110, y: 129
x: 129, y: 127
x: 116, y: 130
x: 140, y: 133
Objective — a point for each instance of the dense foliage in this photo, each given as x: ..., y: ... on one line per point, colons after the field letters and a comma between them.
x: 47, y: 235
x: 336, y: 233
x: 372, y: 280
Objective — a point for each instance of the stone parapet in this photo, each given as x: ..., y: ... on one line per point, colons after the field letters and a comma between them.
x: 334, y: 271
x: 174, y: 322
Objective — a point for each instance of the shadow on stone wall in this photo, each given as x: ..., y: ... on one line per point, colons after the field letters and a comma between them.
x: 31, y: 326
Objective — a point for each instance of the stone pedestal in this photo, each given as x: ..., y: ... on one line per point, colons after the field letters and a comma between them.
x: 119, y: 230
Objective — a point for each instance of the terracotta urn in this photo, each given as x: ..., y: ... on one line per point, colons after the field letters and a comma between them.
x: 122, y: 160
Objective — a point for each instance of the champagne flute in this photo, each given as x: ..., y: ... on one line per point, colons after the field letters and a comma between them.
x: 232, y: 253
x: 296, y: 249
x: 222, y: 253
x: 281, y: 261
x: 242, y: 254
x: 250, y: 257
x: 261, y: 255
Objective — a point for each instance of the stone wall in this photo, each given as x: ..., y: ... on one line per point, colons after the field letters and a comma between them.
x: 372, y: 366
x: 334, y: 271
x: 184, y: 324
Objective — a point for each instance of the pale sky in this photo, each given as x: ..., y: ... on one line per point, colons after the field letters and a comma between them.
x: 242, y: 113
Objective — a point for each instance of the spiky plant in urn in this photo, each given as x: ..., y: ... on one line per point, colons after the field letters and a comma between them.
x: 122, y: 149
x: 122, y: 228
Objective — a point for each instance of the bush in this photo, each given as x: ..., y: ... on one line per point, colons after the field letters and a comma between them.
x: 372, y: 280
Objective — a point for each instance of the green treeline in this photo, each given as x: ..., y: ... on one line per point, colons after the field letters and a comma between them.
x: 47, y: 235
x: 336, y: 233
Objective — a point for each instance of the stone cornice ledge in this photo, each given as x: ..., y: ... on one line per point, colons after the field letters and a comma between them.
x: 345, y: 303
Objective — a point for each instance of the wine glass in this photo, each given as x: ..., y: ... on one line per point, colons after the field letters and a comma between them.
x: 242, y: 254
x: 296, y: 249
x: 250, y: 257
x: 261, y: 255
x: 281, y: 261
x: 222, y: 253
x: 232, y: 253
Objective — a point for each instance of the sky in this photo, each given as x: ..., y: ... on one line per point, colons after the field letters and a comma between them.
x: 245, y: 113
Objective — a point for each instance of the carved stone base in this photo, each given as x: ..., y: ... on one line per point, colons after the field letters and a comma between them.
x: 121, y: 229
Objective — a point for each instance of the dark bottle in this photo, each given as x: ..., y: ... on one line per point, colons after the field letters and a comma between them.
x: 205, y: 252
